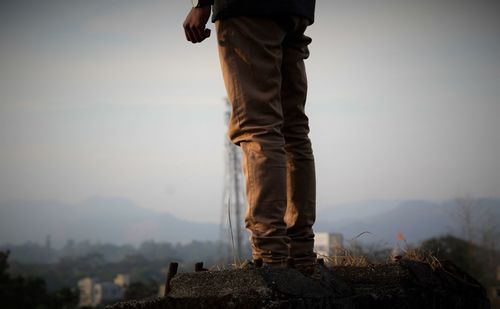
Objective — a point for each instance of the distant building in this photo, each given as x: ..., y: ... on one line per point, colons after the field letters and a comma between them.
x: 106, y: 292
x: 122, y: 280
x: 494, y: 291
x: 86, y: 287
x: 328, y: 244
x: 94, y: 293
x: 161, y: 290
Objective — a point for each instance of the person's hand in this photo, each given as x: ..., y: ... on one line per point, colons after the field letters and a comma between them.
x: 194, y: 25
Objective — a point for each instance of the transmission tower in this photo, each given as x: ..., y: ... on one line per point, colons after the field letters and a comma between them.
x: 232, y: 229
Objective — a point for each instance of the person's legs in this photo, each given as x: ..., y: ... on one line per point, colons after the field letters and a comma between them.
x: 250, y: 52
x: 301, y: 183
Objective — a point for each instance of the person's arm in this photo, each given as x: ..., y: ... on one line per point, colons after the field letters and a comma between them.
x: 196, y: 21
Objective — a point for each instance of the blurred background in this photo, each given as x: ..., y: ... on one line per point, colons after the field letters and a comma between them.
x: 112, y: 135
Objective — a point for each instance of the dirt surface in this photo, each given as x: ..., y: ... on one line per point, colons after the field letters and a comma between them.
x: 406, y: 284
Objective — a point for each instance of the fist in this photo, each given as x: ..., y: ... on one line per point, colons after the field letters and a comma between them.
x: 195, y: 24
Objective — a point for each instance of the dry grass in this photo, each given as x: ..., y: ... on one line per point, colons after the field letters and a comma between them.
x: 224, y: 266
x: 402, y: 250
x: 419, y: 255
x: 348, y: 257
x: 345, y: 258
x: 218, y: 267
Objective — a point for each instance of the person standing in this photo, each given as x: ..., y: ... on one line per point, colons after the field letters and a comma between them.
x: 262, y: 48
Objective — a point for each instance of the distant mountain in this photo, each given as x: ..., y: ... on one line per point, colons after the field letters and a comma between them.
x: 120, y: 221
x: 416, y: 219
x: 348, y: 212
x: 98, y: 219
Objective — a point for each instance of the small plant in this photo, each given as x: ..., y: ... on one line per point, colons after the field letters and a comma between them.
x: 403, y: 251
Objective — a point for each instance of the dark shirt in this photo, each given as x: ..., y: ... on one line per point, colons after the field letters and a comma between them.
x: 272, y: 8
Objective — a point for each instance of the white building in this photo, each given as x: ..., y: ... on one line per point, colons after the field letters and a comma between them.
x: 94, y: 293
x: 328, y: 244
x: 86, y: 287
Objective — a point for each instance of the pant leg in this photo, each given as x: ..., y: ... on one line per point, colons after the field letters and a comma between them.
x: 301, y: 183
x: 251, y: 55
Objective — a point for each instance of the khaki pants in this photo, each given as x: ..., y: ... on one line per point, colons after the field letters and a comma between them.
x: 262, y: 61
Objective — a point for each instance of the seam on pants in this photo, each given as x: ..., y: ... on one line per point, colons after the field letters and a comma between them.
x: 250, y: 174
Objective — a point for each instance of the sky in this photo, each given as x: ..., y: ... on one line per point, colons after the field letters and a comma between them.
x: 107, y: 98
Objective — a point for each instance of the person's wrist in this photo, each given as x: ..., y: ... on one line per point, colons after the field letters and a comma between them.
x: 201, y: 3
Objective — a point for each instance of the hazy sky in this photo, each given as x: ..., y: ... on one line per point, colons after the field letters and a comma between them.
x: 103, y: 97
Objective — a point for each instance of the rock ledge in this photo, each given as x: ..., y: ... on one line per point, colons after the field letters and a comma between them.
x: 406, y: 284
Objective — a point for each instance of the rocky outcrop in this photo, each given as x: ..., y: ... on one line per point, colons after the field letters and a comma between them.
x: 405, y: 284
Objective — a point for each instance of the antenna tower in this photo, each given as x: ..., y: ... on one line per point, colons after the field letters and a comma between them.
x: 232, y: 229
